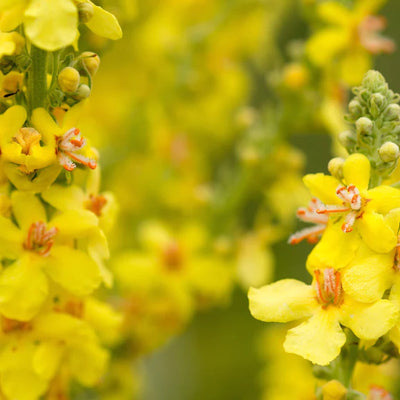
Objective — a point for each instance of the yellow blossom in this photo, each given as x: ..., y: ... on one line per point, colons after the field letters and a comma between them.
x: 371, y: 213
x: 325, y: 306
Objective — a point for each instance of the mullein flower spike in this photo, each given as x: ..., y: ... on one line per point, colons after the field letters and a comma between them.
x: 354, y: 265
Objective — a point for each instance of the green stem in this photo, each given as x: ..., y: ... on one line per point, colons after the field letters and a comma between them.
x: 37, y: 78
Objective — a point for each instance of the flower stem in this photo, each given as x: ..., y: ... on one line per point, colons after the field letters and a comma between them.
x: 37, y: 78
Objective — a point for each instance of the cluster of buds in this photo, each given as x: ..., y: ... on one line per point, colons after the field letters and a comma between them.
x: 376, y: 117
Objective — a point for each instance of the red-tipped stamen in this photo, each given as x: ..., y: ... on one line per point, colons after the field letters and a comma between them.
x: 328, y: 287
x: 39, y: 239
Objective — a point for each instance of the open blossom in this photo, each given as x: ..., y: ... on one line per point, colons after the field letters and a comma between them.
x: 349, y: 38
x: 40, y: 251
x: 325, y: 306
x: 371, y: 213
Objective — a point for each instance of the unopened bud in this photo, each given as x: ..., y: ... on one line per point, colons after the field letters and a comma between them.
x: 335, y: 167
x: 347, y: 139
x: 377, y: 103
x: 364, y: 126
x: 389, y: 152
x: 392, y: 112
x: 374, y: 81
x: 68, y: 80
x: 91, y: 61
x: 334, y: 390
x: 85, y: 12
x: 355, y: 108
x: 83, y: 92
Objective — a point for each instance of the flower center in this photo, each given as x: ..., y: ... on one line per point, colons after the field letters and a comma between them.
x: 328, y: 287
x: 352, y: 204
x: 172, y: 256
x: 96, y: 204
x: 68, y: 147
x: 39, y: 239
x: 10, y: 325
x: 27, y: 138
x: 379, y: 393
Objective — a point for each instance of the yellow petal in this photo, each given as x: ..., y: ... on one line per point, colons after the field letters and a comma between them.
x: 73, y: 269
x: 27, y: 209
x: 88, y: 363
x: 329, y: 252
x: 11, y: 14
x: 36, y: 182
x: 104, y: 24
x: 64, y: 197
x: 23, y: 289
x: 369, y: 321
x: 323, y: 187
x: 383, y: 199
x: 11, y: 239
x: 319, y: 339
x: 45, y: 124
x: 47, y: 358
x: 376, y: 232
x: 356, y: 171
x: 74, y: 223
x: 282, y: 301
x: 367, y: 279
x: 322, y: 47
x: 354, y: 65
x: 333, y: 13
x: 73, y: 115
x: 10, y: 122
x: 51, y: 24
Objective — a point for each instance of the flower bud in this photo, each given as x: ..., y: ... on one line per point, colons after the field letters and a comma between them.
x: 334, y: 390
x: 335, y: 167
x: 364, y: 126
x: 83, y: 92
x: 68, y: 80
x: 355, y: 108
x: 295, y: 76
x: 376, y: 104
x: 374, y: 81
x: 392, y: 112
x: 347, y: 139
x: 389, y: 152
x: 85, y: 12
x: 91, y: 61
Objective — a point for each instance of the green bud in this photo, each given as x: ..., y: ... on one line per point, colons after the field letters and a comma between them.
x: 23, y: 62
x: 364, y: 126
x: 347, y: 139
x: 335, y: 167
x: 83, y: 92
x: 374, y: 81
x: 321, y: 372
x: 392, y: 112
x: 85, y: 12
x: 355, y: 108
x: 377, y: 103
x: 389, y: 152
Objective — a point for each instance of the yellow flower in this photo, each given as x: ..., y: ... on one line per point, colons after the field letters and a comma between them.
x: 70, y: 146
x: 25, y: 146
x: 349, y: 39
x: 35, y: 351
x: 53, y: 24
x: 325, y: 306
x: 41, y: 250
x: 371, y: 213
